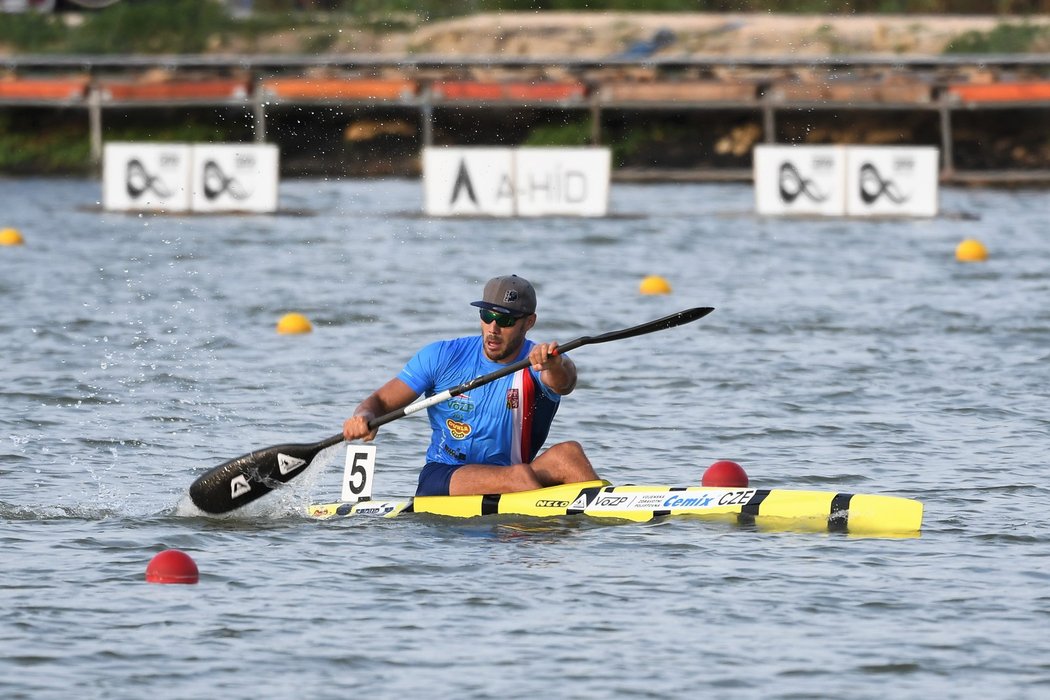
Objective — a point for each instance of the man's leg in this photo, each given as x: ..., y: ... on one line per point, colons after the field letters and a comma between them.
x: 564, y: 463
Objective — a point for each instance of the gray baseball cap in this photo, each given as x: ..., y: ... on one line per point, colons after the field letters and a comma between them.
x: 508, y: 295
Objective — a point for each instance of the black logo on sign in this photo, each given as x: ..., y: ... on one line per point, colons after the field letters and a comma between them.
x: 138, y: 181
x: 793, y: 185
x: 873, y: 186
x: 463, y: 182
x: 216, y: 183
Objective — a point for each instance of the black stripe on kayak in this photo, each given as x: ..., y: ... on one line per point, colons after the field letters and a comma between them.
x: 490, y: 504
x: 838, y: 518
x: 590, y: 493
x: 749, y: 510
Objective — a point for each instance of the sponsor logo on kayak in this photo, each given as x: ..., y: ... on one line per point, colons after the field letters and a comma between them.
x: 708, y: 499
x: 552, y: 504
x: 376, y: 509
x: 732, y: 498
x: 580, y: 503
x: 702, y: 500
x: 662, y: 500
x: 605, y: 501
x: 611, y: 502
x: 649, y: 501
x: 324, y: 511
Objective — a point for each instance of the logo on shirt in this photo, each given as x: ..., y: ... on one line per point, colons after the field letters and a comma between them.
x: 457, y: 429
x: 461, y: 404
x: 512, y: 399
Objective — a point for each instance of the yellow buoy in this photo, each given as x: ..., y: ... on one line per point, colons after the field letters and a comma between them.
x: 294, y: 323
x: 10, y: 236
x: 971, y: 250
x: 654, y: 284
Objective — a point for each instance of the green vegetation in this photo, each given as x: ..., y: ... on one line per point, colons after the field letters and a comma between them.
x: 1005, y: 38
x: 31, y: 32
x: 171, y: 26
x: 162, y: 27
x: 60, y: 148
x: 628, y: 147
x: 53, y: 143
x: 571, y: 134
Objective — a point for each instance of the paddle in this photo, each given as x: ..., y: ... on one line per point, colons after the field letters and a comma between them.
x: 242, y: 480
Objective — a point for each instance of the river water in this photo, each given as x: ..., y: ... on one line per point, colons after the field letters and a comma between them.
x: 140, y: 351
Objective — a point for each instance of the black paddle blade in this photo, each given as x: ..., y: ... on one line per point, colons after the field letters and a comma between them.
x: 240, y: 481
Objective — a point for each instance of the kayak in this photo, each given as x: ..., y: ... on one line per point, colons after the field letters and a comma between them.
x: 770, y: 508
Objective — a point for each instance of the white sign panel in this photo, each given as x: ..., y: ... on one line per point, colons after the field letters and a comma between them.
x: 468, y: 182
x: 234, y: 177
x: 800, y: 180
x: 892, y: 180
x: 146, y: 176
x: 562, y: 181
x: 516, y: 181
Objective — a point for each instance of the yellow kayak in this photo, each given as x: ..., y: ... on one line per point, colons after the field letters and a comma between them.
x: 767, y: 508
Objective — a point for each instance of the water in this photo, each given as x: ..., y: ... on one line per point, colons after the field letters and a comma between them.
x: 140, y: 351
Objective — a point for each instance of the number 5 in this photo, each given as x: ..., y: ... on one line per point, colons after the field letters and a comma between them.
x: 358, y: 472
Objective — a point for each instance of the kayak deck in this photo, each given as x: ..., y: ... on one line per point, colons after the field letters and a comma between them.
x: 775, y: 508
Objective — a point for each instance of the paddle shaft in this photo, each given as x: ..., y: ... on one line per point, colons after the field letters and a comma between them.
x: 246, y: 478
x: 659, y: 324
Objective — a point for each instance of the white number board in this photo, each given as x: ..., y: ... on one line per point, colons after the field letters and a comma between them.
x: 800, y: 180
x: 146, y: 177
x: 892, y: 181
x: 358, y: 471
x: 478, y: 181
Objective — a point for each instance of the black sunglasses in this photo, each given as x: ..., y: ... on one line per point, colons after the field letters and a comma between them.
x: 502, y: 320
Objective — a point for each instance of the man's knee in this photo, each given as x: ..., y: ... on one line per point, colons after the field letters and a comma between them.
x: 570, y: 450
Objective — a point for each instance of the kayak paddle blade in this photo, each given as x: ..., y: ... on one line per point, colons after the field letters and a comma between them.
x: 238, y: 482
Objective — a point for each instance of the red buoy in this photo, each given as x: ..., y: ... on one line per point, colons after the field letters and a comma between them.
x: 172, y: 566
x: 725, y: 473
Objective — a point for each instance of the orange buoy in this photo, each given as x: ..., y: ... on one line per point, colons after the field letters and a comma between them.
x: 971, y: 250
x: 11, y: 236
x: 654, y: 284
x: 294, y: 323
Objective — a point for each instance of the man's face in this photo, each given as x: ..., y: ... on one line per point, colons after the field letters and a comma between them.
x: 501, y: 338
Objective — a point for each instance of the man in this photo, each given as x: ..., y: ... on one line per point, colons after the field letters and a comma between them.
x: 489, y: 440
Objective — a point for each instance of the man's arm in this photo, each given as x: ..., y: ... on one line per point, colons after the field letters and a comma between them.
x: 556, y: 370
x: 391, y: 396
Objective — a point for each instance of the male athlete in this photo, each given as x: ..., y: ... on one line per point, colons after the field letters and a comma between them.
x: 487, y: 440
